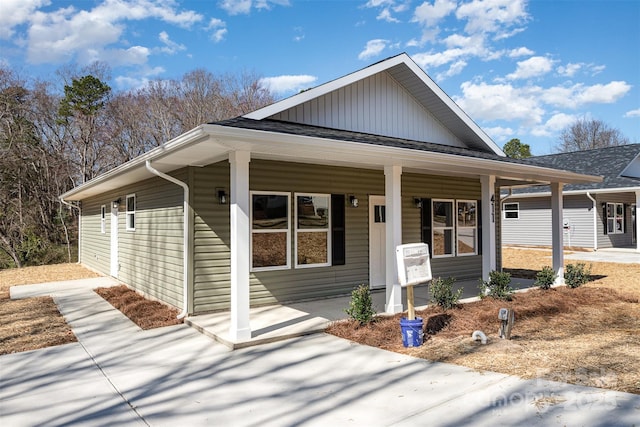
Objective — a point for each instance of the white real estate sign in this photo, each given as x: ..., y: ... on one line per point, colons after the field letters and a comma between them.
x: 414, y: 265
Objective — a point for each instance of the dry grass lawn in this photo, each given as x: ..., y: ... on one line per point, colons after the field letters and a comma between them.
x: 588, y: 336
x: 34, y: 323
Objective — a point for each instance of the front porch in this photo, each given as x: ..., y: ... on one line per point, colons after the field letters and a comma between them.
x: 284, y: 321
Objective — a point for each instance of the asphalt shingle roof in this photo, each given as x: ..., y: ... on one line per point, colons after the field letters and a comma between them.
x: 607, y: 162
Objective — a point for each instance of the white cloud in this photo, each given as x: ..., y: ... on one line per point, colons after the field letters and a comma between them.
x: 140, y: 80
x: 287, y: 84
x: 430, y: 15
x: 219, y: 28
x: 632, y: 113
x: 498, y: 133
x: 569, y: 70
x: 500, y: 102
x: 170, y: 46
x: 603, y: 94
x: 85, y: 35
x: 455, y: 69
x: 17, y: 12
x: 385, y: 15
x: 552, y: 126
x: 426, y: 60
x: 493, y: 16
x: 243, y: 7
x: 521, y: 51
x: 532, y: 67
x: 373, y: 48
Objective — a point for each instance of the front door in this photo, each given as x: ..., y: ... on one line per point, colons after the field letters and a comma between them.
x: 377, y: 239
x: 114, y: 240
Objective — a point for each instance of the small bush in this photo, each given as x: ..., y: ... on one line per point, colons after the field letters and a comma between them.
x: 442, y: 293
x: 361, y: 306
x: 545, y: 278
x: 576, y: 275
x: 497, y: 286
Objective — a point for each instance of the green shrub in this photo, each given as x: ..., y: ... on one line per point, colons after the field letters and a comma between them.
x: 576, y: 275
x: 545, y: 278
x: 442, y: 293
x: 497, y: 286
x: 361, y: 306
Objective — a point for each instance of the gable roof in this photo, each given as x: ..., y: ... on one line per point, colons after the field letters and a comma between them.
x: 614, y: 164
x: 422, y: 88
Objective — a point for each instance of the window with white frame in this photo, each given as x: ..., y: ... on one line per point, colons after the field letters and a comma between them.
x: 312, y: 238
x: 443, y: 228
x: 615, y: 218
x: 511, y: 210
x: 103, y: 219
x: 270, y: 227
x: 131, y: 212
x: 467, y: 227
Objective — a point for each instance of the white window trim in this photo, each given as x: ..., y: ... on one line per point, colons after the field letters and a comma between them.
x: 504, y: 211
x: 130, y: 213
x: 452, y: 228
x: 281, y: 230
x: 615, y: 217
x: 103, y: 219
x: 312, y: 230
x: 475, y: 235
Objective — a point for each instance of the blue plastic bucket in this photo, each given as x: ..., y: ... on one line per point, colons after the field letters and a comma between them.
x: 412, y: 333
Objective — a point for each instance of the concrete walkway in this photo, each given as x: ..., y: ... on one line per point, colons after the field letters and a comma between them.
x: 120, y: 375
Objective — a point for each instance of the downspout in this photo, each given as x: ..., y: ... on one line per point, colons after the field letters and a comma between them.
x: 595, y: 222
x: 186, y: 227
x: 79, y: 224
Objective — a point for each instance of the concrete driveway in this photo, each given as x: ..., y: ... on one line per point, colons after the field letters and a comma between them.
x: 118, y: 374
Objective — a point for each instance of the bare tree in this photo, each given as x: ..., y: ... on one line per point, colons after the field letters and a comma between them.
x: 587, y: 134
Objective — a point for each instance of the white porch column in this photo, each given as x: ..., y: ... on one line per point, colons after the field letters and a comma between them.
x: 393, y: 203
x: 488, y: 184
x: 240, y: 329
x: 637, y: 221
x: 557, y: 231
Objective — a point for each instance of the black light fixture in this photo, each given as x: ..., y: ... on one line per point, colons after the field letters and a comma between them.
x: 116, y: 203
x: 222, y: 196
x: 418, y: 202
x: 353, y: 201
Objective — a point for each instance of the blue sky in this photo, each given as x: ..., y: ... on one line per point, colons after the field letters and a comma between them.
x: 520, y: 69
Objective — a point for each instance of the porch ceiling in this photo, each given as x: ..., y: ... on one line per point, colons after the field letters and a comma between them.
x: 209, y: 144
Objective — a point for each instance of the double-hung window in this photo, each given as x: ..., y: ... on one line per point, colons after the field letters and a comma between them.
x: 131, y: 212
x: 615, y: 218
x: 511, y: 210
x: 313, y: 237
x: 103, y: 219
x: 270, y: 227
x: 443, y: 228
x: 467, y: 227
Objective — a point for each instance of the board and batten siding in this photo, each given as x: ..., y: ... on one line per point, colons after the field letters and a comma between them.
x: 150, y: 258
x: 212, y: 236
x: 378, y: 105
x: 533, y: 227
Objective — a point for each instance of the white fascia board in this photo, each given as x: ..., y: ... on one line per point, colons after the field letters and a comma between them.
x: 378, y: 156
x: 576, y: 192
x: 165, y: 150
x: 325, y: 88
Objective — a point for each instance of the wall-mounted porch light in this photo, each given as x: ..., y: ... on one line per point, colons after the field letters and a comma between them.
x: 418, y: 202
x: 116, y: 203
x: 353, y: 201
x: 222, y: 196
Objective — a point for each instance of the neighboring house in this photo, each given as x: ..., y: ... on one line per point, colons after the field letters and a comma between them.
x: 307, y: 198
x: 596, y: 215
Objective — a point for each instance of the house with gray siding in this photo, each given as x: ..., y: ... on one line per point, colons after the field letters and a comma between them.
x: 595, y: 215
x: 308, y: 198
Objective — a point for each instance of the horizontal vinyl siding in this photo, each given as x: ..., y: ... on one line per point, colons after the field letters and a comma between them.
x: 150, y: 258
x: 96, y: 246
x: 212, y: 239
x: 437, y: 187
x: 378, y: 105
x: 533, y: 228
